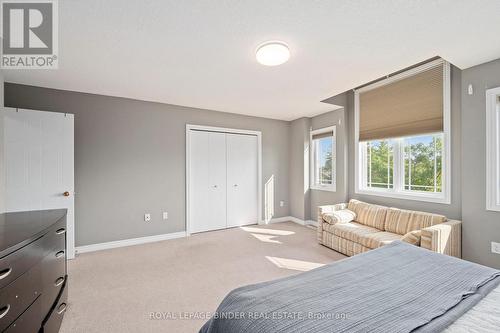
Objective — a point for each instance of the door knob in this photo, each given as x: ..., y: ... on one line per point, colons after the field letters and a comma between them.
x: 66, y: 194
x: 235, y: 185
x: 215, y: 186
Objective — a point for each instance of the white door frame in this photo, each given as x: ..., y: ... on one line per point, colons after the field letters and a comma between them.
x: 190, y: 127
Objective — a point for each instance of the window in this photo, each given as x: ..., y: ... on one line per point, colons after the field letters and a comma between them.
x: 323, y: 159
x: 493, y: 149
x: 379, y: 164
x: 402, y: 128
x: 423, y: 160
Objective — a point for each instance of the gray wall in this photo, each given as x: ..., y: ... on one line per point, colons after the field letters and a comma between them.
x: 303, y: 201
x: 480, y: 226
x: 299, y: 159
x: 453, y: 210
x: 130, y: 159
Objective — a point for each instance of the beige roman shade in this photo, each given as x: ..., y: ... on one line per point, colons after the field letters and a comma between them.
x: 322, y: 135
x: 410, y: 106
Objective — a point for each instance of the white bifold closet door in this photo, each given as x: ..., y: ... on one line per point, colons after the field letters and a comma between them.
x: 223, y: 180
x: 242, y: 187
x: 207, y: 209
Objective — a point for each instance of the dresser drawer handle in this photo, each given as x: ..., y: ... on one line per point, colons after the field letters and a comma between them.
x: 4, y: 273
x: 61, y: 308
x: 59, y: 281
x: 4, y: 310
x: 60, y: 231
x: 59, y: 254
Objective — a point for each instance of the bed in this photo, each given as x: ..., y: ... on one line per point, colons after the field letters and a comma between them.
x: 395, y: 288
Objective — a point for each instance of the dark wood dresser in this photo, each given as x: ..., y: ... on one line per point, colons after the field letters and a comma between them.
x: 33, y: 277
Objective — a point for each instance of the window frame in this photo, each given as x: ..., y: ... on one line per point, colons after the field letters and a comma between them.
x: 398, y: 190
x: 492, y: 149
x: 312, y: 159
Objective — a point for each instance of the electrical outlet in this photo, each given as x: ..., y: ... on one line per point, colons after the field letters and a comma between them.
x: 282, y: 203
x: 495, y: 247
x: 147, y: 217
x: 165, y: 215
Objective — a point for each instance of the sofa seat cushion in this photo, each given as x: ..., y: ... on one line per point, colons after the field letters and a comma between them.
x: 402, y: 221
x: 379, y: 239
x: 368, y: 214
x: 351, y: 231
x: 343, y: 245
x: 339, y: 216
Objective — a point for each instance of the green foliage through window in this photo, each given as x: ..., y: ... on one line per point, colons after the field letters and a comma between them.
x: 423, y: 163
x: 421, y: 160
x: 380, y: 160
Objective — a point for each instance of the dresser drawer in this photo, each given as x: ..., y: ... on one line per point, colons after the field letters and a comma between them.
x: 53, y: 322
x: 17, y: 296
x: 56, y: 236
x: 53, y: 277
x: 15, y: 264
x: 29, y: 321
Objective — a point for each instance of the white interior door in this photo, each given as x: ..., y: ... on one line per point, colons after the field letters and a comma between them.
x: 39, y: 163
x: 242, y: 179
x: 207, y: 181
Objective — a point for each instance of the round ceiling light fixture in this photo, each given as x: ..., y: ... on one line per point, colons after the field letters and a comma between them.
x: 272, y: 53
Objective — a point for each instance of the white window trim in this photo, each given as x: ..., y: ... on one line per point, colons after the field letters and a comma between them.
x: 492, y: 148
x: 313, y: 186
x: 445, y: 196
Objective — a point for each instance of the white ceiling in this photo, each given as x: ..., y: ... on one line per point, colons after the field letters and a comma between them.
x: 202, y: 53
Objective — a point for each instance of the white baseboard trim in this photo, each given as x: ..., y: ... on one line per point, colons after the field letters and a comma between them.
x: 313, y: 223
x: 128, y: 242
x: 294, y: 220
x: 279, y: 219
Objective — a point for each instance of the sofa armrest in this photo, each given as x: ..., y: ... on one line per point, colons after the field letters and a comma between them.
x: 444, y: 238
x: 326, y: 209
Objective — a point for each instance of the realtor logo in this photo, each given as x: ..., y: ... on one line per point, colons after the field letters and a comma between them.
x: 29, y: 34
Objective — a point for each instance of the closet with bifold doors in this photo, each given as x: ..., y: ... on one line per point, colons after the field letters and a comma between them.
x: 222, y: 179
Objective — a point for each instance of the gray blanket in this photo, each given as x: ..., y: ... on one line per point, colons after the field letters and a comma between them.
x: 396, y: 288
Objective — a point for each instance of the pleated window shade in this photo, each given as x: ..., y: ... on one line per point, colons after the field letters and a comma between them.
x: 410, y: 106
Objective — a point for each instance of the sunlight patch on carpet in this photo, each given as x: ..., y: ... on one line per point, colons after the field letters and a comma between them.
x: 298, y: 265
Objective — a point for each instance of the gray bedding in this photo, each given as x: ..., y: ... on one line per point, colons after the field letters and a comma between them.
x: 396, y: 288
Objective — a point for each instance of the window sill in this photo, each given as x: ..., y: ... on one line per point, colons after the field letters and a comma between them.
x: 493, y: 207
x: 407, y: 196
x: 324, y: 188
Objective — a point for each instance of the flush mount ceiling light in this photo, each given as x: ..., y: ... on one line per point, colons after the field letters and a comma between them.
x: 272, y: 53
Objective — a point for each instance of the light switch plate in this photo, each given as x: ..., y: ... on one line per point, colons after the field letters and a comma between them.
x: 495, y: 247
x: 147, y: 217
x: 282, y: 203
x: 165, y: 215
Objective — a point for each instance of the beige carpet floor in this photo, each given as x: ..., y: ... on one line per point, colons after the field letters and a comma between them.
x: 118, y: 290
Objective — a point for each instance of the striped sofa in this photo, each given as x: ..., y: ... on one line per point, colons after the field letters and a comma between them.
x: 372, y: 226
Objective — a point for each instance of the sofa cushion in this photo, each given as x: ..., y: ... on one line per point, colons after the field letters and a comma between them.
x: 368, y: 214
x: 402, y: 221
x: 379, y: 239
x: 343, y: 245
x: 413, y: 237
x: 339, y: 216
x: 352, y: 231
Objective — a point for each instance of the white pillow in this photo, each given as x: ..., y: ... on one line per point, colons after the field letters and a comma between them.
x: 339, y: 216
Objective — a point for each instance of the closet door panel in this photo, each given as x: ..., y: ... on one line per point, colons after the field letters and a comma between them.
x: 198, y: 182
x: 242, y: 182
x: 207, y: 184
x: 217, y: 179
